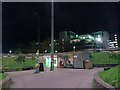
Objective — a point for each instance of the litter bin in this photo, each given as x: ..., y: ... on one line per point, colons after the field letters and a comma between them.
x: 87, y: 64
x: 41, y: 67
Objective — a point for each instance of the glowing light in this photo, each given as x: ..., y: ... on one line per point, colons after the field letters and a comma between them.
x: 76, y: 35
x: 99, y: 39
x: 116, y: 39
x: 10, y: 51
x: 45, y: 51
x: 74, y: 47
x: 115, y: 35
x: 56, y: 51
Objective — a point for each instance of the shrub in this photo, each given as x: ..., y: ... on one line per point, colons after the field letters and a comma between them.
x: 33, y: 57
x: 18, y: 51
x: 66, y: 56
x: 20, y: 58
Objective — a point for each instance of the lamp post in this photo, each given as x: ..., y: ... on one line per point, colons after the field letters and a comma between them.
x: 45, y: 51
x: 10, y: 52
x: 56, y: 51
x: 37, y: 54
x: 74, y: 48
x: 52, y: 27
x: 62, y: 44
x: 52, y: 37
x: 38, y: 31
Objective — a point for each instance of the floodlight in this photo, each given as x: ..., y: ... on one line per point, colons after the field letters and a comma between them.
x: 99, y: 39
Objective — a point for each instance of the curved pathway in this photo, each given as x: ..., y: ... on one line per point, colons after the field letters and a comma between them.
x: 60, y: 78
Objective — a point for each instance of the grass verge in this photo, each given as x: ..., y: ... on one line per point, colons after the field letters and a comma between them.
x: 111, y: 76
x: 2, y: 76
x: 10, y: 63
x: 105, y: 58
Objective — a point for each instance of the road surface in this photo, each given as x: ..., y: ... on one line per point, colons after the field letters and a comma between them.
x: 60, y: 78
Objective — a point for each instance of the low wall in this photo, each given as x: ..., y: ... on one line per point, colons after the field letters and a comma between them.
x: 99, y: 83
x: 6, y: 82
x: 104, y: 65
x: 17, y: 69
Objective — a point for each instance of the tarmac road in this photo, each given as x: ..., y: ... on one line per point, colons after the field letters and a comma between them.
x: 60, y: 78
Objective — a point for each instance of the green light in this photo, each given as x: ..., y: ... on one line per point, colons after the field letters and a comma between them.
x: 76, y: 35
x: 51, y: 52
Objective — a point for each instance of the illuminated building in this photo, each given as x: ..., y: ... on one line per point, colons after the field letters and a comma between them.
x: 99, y: 40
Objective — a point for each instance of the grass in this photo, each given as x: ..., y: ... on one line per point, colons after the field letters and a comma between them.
x: 10, y: 63
x: 2, y: 76
x: 111, y: 76
x: 105, y: 58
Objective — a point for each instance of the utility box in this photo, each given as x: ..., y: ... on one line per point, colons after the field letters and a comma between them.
x: 80, y: 58
x: 87, y: 64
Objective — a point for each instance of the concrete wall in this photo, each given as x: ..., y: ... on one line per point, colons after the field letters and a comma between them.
x: 99, y: 83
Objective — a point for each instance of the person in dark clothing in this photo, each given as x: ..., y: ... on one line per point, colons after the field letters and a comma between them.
x: 41, y: 65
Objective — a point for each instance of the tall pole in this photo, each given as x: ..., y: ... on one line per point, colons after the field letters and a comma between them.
x: 38, y: 42
x: 38, y: 36
x: 52, y: 27
x: 52, y: 36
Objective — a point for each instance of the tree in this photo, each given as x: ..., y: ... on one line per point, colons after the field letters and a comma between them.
x: 20, y: 58
x: 17, y: 51
x: 30, y: 47
x: 58, y: 45
x: 46, y: 45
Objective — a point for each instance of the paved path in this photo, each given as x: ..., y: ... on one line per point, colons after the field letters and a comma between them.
x: 60, y: 78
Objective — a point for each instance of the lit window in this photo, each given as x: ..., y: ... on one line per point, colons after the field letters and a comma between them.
x: 116, y: 39
x: 115, y: 35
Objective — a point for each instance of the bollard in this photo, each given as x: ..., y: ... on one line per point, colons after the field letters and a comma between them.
x: 52, y: 63
x: 52, y: 66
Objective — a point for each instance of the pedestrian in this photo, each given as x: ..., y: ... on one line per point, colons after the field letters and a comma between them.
x: 37, y: 66
x: 41, y: 65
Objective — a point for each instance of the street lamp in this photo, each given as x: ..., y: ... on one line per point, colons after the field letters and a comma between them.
x: 37, y: 54
x: 74, y: 48
x: 56, y: 51
x: 45, y: 51
x: 10, y: 51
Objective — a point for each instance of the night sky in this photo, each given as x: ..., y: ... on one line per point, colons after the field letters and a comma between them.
x: 21, y: 21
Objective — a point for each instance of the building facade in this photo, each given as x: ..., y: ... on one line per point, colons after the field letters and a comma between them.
x: 99, y: 40
x: 113, y: 41
x: 102, y: 39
